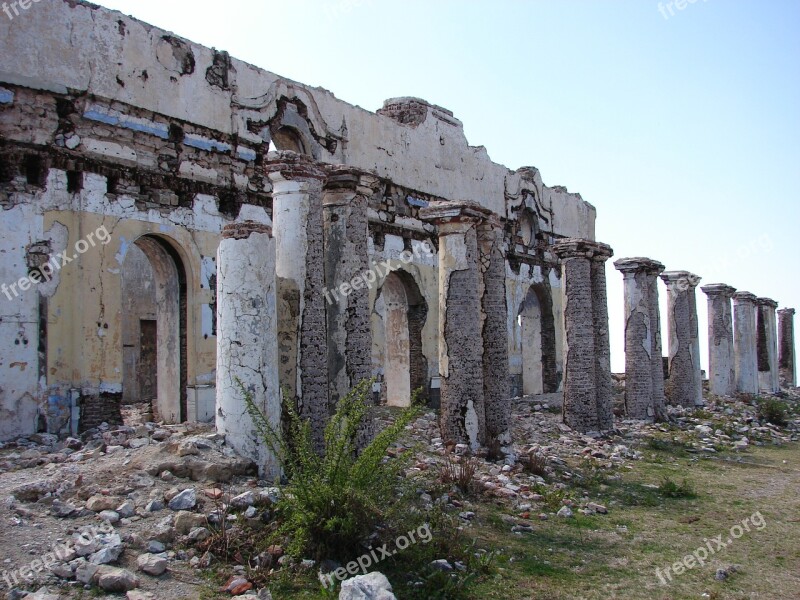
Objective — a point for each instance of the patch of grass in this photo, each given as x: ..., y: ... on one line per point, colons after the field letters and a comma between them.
x: 670, y: 489
x: 667, y: 446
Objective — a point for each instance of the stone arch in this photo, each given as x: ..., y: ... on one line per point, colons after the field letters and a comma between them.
x: 538, y: 334
x: 154, y: 324
x: 404, y: 312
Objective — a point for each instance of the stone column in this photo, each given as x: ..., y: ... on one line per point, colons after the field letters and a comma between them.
x: 744, y: 342
x: 602, y: 338
x: 462, y: 416
x: 685, y: 385
x: 247, y: 346
x: 302, y: 340
x: 644, y: 371
x: 787, y: 360
x: 587, y: 369
x: 767, y: 331
x: 347, y: 284
x: 721, y: 371
x: 496, y: 388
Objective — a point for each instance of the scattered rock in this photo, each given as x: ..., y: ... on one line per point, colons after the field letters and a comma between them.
x: 112, y: 579
x: 373, y: 586
x: 186, y: 500
x: 152, y: 564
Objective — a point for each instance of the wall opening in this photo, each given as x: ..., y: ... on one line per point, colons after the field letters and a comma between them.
x: 538, y: 335
x: 154, y: 330
x: 288, y: 138
x: 405, y: 367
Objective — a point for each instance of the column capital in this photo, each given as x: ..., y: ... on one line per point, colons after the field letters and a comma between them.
x: 680, y: 279
x: 579, y: 248
x: 291, y: 166
x: 718, y: 289
x: 767, y: 302
x: 786, y: 311
x: 638, y: 264
x: 441, y: 212
x: 744, y: 297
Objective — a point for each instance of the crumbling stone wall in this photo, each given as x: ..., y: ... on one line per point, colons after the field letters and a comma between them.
x: 113, y: 141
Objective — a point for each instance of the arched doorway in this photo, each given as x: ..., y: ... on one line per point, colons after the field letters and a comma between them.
x: 154, y: 323
x: 404, y: 311
x: 538, y: 336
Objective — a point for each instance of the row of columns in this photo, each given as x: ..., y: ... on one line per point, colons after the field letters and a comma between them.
x: 745, y: 354
x: 277, y: 331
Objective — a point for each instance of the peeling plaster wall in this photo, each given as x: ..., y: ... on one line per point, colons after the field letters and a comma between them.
x: 167, y: 138
x: 159, y: 72
x: 84, y: 325
x: 19, y: 325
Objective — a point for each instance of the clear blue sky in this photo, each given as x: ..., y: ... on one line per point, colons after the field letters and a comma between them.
x: 683, y: 131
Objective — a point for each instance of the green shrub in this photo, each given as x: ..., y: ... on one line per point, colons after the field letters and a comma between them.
x: 334, y: 501
x: 773, y: 411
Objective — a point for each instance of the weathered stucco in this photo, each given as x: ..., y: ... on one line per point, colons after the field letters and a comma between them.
x: 110, y: 122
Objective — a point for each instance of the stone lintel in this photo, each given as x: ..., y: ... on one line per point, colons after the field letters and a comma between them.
x: 767, y: 302
x: 578, y: 248
x: 638, y: 264
x: 744, y: 297
x: 443, y: 211
x: 718, y: 289
x: 291, y: 166
x: 786, y: 311
x: 242, y: 231
x: 680, y: 278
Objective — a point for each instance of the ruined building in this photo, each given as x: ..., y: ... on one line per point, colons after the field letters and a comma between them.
x: 249, y: 229
x: 181, y: 228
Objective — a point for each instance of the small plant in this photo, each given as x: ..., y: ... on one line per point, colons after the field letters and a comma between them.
x: 773, y: 411
x: 334, y: 501
x: 459, y: 471
x: 670, y: 489
x: 534, y: 462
